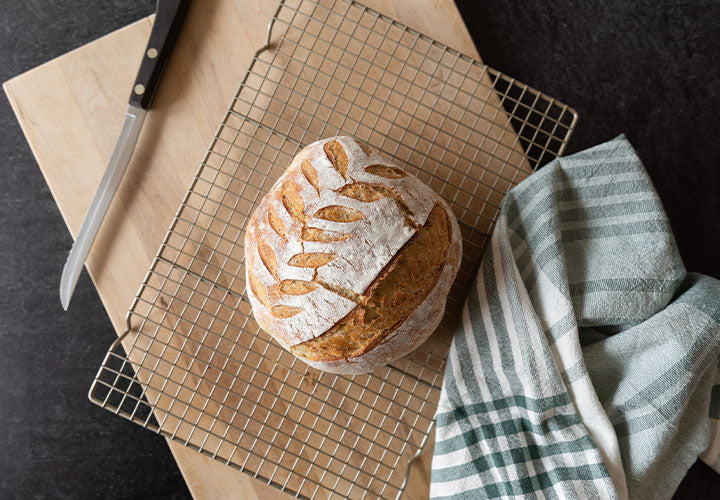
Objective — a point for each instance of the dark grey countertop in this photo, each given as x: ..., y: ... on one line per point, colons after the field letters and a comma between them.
x: 646, y: 68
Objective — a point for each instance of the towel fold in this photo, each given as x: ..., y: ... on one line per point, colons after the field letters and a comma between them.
x: 586, y: 364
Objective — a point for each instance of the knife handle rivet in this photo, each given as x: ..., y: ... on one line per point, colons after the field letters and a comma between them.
x: 139, y: 89
x: 152, y: 53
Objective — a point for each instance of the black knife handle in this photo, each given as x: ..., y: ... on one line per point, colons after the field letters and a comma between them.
x: 169, y: 17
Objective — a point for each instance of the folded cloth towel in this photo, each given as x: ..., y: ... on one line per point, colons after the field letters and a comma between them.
x: 586, y: 364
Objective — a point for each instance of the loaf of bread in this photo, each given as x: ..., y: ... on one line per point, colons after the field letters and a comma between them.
x: 349, y: 259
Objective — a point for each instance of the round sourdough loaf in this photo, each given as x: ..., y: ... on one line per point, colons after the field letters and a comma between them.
x: 349, y: 259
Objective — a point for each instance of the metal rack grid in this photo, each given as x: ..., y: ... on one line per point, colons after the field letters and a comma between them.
x: 193, y: 364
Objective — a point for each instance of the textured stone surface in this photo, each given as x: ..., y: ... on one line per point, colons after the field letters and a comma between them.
x: 54, y: 442
x: 646, y: 68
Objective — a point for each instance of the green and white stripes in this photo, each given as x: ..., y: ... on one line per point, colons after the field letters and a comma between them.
x: 539, y: 399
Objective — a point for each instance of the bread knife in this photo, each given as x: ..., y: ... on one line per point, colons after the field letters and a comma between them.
x: 169, y: 17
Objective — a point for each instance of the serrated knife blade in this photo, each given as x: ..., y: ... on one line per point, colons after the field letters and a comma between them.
x: 134, y: 118
x: 169, y: 18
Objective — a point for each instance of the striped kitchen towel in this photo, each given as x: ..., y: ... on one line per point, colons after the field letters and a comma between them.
x: 586, y: 364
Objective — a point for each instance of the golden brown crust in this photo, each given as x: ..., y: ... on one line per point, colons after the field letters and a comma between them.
x: 338, y: 213
x: 276, y: 223
x: 397, y: 291
x: 349, y: 259
x: 365, y: 148
x: 385, y: 171
x: 337, y: 156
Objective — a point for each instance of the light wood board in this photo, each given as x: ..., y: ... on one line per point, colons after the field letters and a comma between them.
x: 72, y: 137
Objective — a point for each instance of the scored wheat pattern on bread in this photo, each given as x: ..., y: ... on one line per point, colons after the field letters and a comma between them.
x: 294, y: 205
x: 328, y: 227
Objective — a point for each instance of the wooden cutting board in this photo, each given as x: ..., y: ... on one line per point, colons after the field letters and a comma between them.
x: 71, y: 110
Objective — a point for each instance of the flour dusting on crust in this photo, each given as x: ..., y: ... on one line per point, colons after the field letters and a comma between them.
x: 290, y: 240
x: 415, y: 329
x: 321, y: 236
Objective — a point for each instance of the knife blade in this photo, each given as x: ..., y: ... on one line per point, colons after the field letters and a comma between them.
x: 169, y: 17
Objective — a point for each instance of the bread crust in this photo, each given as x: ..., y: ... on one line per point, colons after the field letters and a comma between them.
x: 415, y: 330
x: 322, y: 235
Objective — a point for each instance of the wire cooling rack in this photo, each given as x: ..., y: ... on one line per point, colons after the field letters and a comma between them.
x: 193, y: 364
